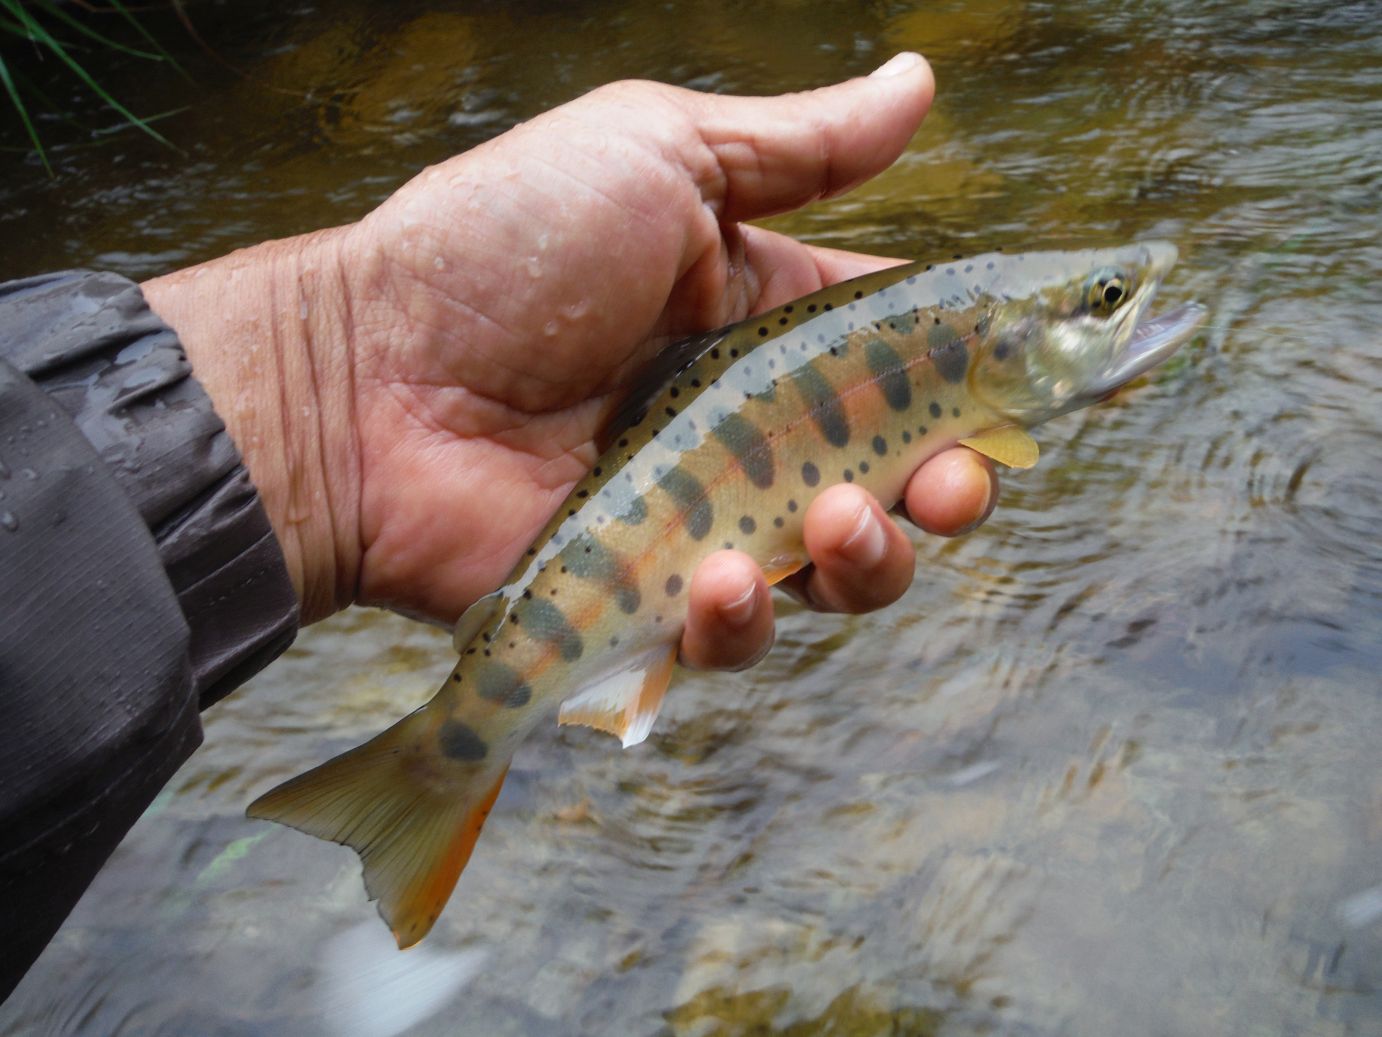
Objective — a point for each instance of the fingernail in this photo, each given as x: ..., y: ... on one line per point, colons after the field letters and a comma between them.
x: 739, y: 612
x: 867, y: 544
x: 896, y: 65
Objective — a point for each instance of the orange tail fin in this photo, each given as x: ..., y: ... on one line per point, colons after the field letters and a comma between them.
x: 413, y: 836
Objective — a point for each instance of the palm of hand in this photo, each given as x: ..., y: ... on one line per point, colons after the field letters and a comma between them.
x: 480, y: 389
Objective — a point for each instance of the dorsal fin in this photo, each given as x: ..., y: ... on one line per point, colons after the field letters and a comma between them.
x: 651, y: 379
x: 1010, y: 446
x: 476, y: 618
x: 626, y: 703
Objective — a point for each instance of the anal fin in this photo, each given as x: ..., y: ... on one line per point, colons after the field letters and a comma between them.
x: 626, y: 703
x: 1010, y: 446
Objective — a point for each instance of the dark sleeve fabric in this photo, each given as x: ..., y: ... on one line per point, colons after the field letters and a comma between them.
x: 141, y: 581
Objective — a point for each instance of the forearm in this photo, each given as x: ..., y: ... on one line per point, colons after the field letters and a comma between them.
x: 268, y: 332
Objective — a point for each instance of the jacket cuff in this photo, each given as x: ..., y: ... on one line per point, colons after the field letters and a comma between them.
x: 91, y: 342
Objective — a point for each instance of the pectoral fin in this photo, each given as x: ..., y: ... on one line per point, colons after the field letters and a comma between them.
x: 626, y: 703
x: 1010, y: 446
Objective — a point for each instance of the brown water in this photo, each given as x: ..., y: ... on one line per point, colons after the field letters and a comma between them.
x: 1113, y: 765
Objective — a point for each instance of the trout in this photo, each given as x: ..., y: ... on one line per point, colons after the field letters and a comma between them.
x: 738, y: 430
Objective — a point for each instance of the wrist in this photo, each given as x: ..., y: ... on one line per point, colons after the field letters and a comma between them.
x: 268, y: 333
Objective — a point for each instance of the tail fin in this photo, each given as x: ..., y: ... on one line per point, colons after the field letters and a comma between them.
x: 413, y: 836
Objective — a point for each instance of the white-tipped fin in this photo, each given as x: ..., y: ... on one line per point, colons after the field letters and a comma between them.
x: 626, y: 703
x: 476, y: 618
x: 1010, y: 446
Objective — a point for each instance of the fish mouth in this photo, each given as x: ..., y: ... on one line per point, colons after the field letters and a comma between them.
x: 1152, y: 342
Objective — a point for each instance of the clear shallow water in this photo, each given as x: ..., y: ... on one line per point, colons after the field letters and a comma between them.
x: 1111, y: 767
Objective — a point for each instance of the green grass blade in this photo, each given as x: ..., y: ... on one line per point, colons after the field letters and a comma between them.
x: 105, y: 41
x: 41, y: 35
x: 148, y: 36
x: 23, y: 113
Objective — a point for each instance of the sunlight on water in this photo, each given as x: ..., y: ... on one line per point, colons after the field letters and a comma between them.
x: 1110, y: 767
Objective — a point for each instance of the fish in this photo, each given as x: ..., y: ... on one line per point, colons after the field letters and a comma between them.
x: 736, y: 432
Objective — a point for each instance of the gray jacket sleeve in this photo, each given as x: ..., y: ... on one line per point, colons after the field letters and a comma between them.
x: 141, y: 581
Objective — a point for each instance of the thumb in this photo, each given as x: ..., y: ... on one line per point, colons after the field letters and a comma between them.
x: 772, y: 154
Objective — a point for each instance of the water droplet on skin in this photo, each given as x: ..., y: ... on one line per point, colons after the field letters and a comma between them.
x: 302, y: 309
x: 28, y: 473
x: 534, y: 267
x: 542, y: 241
x: 551, y: 328
x: 8, y: 520
x: 439, y: 263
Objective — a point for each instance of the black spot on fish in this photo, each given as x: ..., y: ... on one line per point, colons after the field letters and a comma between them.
x: 791, y: 505
x: 503, y: 685
x: 811, y: 308
x: 688, y: 494
x: 747, y: 525
x: 823, y: 403
x: 948, y: 353
x: 582, y: 494
x: 890, y: 372
x: 782, y: 321
x: 748, y: 446
x: 778, y: 522
x: 906, y: 436
x: 810, y: 474
x: 1002, y: 351
x: 863, y: 468
x: 849, y: 476
x: 935, y: 409
x: 880, y: 445
x: 673, y: 585
x: 671, y: 411
x: 955, y: 411
x: 763, y: 332
x: 549, y: 623
x: 458, y: 741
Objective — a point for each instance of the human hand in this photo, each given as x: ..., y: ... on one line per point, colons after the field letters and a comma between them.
x: 394, y: 382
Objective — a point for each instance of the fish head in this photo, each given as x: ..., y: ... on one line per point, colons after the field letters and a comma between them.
x: 1062, y: 330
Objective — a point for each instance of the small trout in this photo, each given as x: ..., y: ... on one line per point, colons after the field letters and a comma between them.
x: 859, y: 382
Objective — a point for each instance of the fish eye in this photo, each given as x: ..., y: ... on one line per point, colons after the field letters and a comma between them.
x: 1105, y: 292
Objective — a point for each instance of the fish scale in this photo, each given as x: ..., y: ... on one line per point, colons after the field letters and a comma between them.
x: 858, y: 383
